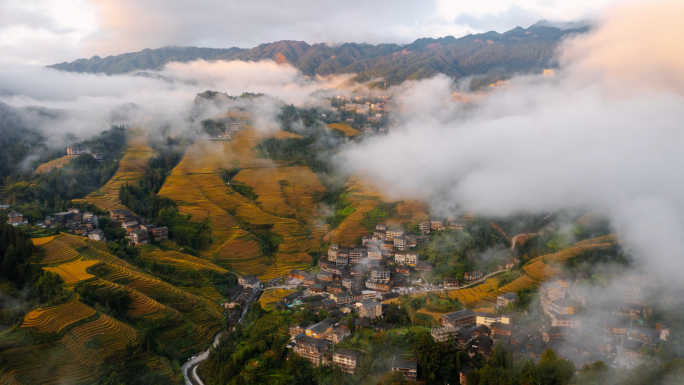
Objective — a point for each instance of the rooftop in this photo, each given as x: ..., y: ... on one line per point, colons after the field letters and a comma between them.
x: 458, y: 314
x: 401, y: 364
x: 315, y: 342
x: 319, y: 328
x: 348, y: 353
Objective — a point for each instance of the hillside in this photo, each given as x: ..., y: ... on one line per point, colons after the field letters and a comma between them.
x: 284, y: 212
x: 492, y: 53
x: 131, y: 166
x: 115, y: 314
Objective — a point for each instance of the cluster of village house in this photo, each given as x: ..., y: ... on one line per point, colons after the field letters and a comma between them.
x: 138, y: 232
x: 478, y: 333
x: 75, y: 151
x: 372, y: 105
x: 348, y: 281
x: 564, y: 333
x: 381, y: 264
x: 232, y: 125
x: 351, y: 280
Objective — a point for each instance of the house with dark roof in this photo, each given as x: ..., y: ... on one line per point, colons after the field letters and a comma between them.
x: 408, y: 368
x: 643, y: 334
x: 347, y: 360
x: 465, y: 317
x: 312, y: 349
x: 383, y: 326
x: 500, y: 328
x: 317, y: 330
x: 362, y: 322
x: 504, y: 299
x: 249, y: 280
x: 299, y: 328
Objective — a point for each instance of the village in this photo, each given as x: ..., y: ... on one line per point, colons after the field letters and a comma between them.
x: 138, y: 231
x: 355, y: 286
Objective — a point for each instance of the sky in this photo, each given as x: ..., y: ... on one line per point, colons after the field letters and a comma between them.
x: 42, y: 32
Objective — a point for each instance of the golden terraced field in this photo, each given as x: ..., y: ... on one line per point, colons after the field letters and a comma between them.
x: 55, y: 318
x: 364, y: 197
x: 198, y: 190
x: 73, y: 272
x: 131, y: 167
x: 195, y: 316
x: 59, y: 162
x: 270, y: 297
x: 344, y: 127
x: 536, y: 271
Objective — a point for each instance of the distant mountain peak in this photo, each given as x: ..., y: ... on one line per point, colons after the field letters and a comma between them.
x: 494, y: 55
x: 562, y: 25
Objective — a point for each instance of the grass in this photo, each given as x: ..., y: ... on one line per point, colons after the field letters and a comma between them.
x: 58, y: 163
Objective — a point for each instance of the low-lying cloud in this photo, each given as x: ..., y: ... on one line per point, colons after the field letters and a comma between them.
x: 604, y: 134
x: 91, y: 103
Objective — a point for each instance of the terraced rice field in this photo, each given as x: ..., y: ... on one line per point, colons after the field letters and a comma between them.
x: 363, y: 198
x: 56, y: 250
x: 344, y: 127
x: 67, y: 247
x: 536, y: 271
x: 270, y: 297
x: 151, y: 298
x: 73, y: 272
x: 474, y: 294
x: 209, y: 293
x: 435, y: 316
x: 92, y: 342
x: 75, y: 358
x: 198, y: 190
x: 42, y: 241
x: 45, y: 365
x: 55, y: 318
x: 177, y: 259
x: 131, y: 166
x: 412, y: 209
x: 58, y: 163
x: 284, y: 190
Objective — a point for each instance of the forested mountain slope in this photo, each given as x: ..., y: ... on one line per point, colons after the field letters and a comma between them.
x: 492, y: 53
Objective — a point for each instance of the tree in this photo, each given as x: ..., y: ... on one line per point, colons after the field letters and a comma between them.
x: 552, y: 370
x: 49, y: 286
x: 351, y: 326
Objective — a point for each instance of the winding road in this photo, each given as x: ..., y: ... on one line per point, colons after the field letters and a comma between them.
x: 190, y: 368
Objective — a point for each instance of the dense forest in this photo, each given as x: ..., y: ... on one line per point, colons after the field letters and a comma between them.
x: 37, y: 195
x: 23, y: 284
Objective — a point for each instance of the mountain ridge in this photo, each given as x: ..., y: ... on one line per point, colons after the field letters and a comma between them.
x: 492, y: 54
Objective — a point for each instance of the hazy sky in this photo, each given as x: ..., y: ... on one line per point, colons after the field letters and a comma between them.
x: 48, y: 31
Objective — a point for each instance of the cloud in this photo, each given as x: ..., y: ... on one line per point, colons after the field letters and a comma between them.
x: 133, y: 25
x: 604, y: 134
x: 51, y: 31
x: 514, y: 16
x: 91, y: 103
